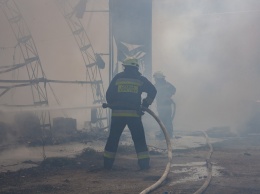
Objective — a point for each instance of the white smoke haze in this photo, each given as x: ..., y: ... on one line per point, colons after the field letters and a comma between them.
x: 208, y: 49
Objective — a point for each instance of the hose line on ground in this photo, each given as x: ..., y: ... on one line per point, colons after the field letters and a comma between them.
x: 169, y: 148
x: 209, y: 167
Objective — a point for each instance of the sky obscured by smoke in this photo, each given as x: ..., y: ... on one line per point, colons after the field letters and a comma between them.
x: 208, y: 49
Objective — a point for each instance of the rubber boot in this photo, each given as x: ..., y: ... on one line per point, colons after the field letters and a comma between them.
x: 108, y: 163
x: 144, y: 164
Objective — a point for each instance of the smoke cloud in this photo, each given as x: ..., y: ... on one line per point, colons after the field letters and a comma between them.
x: 208, y: 49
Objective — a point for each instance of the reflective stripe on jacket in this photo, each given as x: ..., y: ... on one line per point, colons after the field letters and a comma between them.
x: 125, y: 113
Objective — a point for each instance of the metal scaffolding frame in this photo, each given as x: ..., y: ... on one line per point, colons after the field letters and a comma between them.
x: 31, y: 60
x: 92, y: 61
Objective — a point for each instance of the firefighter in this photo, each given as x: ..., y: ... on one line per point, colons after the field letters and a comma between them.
x: 124, y: 97
x: 164, y: 102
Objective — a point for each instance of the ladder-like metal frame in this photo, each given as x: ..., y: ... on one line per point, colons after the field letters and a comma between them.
x: 93, y: 73
x: 31, y: 61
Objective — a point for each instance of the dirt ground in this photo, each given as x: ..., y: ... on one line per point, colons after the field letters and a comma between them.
x: 236, y: 170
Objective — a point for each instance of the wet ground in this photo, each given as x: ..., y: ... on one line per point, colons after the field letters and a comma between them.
x: 235, y: 161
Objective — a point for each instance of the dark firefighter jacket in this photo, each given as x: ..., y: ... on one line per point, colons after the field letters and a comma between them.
x: 125, y: 90
x: 165, y: 91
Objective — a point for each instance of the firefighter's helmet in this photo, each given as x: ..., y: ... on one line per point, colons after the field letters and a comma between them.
x: 131, y: 62
x: 158, y: 75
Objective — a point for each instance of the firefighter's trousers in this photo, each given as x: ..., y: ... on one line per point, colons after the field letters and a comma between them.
x: 136, y: 128
x: 165, y: 115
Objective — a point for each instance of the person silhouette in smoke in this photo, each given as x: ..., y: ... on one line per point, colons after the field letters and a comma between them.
x: 164, y: 103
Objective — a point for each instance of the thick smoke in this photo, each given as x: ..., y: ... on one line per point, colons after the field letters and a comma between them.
x: 209, y: 50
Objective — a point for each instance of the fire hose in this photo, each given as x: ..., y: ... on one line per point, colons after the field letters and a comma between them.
x: 209, y: 167
x: 104, y: 105
x: 169, y: 148
x: 173, y: 109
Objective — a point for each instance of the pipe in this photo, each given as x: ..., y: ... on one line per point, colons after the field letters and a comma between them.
x: 18, y: 108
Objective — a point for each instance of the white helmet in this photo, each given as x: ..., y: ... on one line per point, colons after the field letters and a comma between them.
x: 158, y: 75
x: 131, y: 62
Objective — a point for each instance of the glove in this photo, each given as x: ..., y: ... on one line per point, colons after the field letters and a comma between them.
x: 145, y: 104
x: 104, y: 105
x: 140, y: 112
